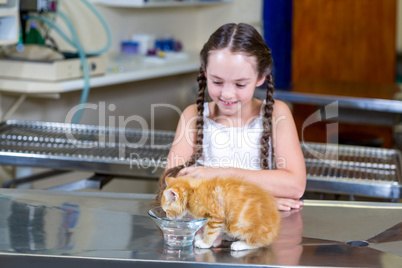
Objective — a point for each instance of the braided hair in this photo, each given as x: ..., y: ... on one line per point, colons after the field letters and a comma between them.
x: 267, y: 124
x: 237, y: 38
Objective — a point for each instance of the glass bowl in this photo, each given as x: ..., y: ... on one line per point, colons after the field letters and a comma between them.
x: 177, y: 233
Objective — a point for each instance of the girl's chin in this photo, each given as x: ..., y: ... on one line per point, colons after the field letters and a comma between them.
x: 229, y: 111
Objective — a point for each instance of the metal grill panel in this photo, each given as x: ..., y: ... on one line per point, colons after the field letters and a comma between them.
x: 330, y: 168
x: 353, y: 169
x: 85, y: 147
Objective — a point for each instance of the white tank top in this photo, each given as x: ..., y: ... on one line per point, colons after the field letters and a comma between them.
x: 237, y: 147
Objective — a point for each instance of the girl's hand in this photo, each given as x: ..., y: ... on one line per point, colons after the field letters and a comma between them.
x: 287, y: 204
x: 200, y: 172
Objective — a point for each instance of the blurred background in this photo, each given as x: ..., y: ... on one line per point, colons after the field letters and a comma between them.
x: 347, y: 48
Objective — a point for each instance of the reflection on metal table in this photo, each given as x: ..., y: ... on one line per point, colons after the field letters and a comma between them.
x: 117, y: 152
x: 64, y: 229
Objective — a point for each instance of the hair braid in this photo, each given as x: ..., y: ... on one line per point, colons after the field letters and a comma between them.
x: 202, y: 83
x: 267, y: 124
x: 172, y: 172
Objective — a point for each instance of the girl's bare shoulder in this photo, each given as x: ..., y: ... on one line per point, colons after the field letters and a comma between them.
x: 190, y: 111
x: 281, y: 108
x: 188, y: 116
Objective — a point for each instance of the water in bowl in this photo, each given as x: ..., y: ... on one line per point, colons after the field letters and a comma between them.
x: 177, y: 233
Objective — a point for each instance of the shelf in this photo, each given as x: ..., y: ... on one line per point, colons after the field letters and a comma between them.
x: 119, y: 70
x: 154, y: 4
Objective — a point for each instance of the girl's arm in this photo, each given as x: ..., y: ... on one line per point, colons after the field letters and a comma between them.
x: 183, y: 146
x: 288, y: 180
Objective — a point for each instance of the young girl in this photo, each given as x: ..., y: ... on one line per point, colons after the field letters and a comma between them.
x: 236, y: 135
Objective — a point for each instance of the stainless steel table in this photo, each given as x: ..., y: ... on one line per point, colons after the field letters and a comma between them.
x: 93, y: 229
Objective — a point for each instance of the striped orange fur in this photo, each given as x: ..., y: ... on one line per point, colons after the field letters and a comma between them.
x: 239, y: 208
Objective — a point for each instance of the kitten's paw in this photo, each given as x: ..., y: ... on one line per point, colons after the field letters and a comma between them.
x: 198, y: 237
x: 201, y: 244
x: 240, y: 245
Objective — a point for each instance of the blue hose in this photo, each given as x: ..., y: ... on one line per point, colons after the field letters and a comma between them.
x: 81, y: 52
x: 105, y: 26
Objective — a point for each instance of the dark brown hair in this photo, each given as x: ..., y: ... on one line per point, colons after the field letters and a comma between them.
x: 237, y: 38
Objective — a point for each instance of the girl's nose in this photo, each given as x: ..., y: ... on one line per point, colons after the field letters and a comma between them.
x: 228, y: 92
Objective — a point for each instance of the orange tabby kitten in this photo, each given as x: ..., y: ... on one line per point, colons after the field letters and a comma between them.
x: 240, y: 208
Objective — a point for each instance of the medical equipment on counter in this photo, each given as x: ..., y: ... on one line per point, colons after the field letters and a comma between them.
x: 9, y: 22
x: 38, y: 5
x: 74, y: 41
x: 50, y: 70
x: 129, y: 47
x: 41, y: 6
x: 145, y: 42
x: 81, y: 53
x: 34, y: 36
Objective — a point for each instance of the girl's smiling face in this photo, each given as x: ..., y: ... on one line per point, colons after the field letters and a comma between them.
x: 231, y: 79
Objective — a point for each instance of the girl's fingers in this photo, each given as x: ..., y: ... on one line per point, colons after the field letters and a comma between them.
x: 283, y: 207
x: 182, y: 172
x: 186, y: 171
x: 286, y: 204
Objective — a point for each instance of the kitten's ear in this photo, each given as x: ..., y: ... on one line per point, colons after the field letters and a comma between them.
x: 170, y: 195
x: 168, y: 180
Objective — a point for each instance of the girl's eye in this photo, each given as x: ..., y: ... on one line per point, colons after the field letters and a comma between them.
x: 240, y: 85
x: 217, y: 82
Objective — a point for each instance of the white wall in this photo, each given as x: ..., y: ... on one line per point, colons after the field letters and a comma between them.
x: 191, y: 25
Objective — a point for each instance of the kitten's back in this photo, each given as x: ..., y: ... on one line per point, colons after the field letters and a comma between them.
x: 248, y: 211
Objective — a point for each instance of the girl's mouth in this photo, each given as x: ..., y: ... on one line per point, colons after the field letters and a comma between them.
x: 228, y: 103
